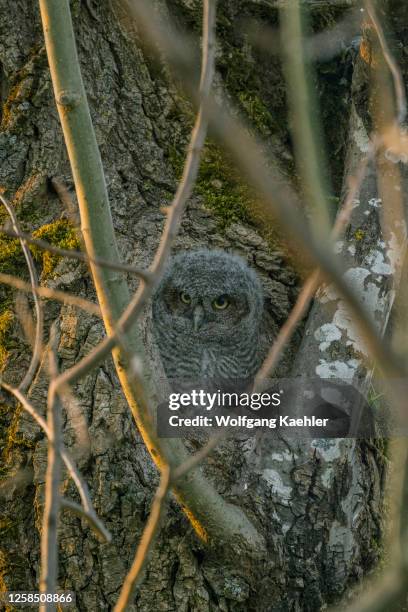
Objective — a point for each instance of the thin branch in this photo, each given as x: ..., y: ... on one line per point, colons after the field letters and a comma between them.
x: 78, y: 255
x: 197, y: 458
x: 69, y: 462
x: 23, y: 313
x: 37, y: 346
x: 301, y: 103
x: 76, y: 417
x: 322, y: 46
x: 391, y: 63
x: 86, y: 164
x: 168, y: 478
x: 146, y: 542
x: 28, y: 407
x: 388, y: 116
x: 51, y: 294
x: 288, y: 328
x: 90, y: 517
x: 312, y: 283
x: 390, y: 592
x: 66, y: 199
x: 190, y: 171
x: 49, y: 535
x: 84, y: 494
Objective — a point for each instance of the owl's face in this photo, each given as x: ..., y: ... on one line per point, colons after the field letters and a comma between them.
x: 204, y: 311
x: 208, y: 296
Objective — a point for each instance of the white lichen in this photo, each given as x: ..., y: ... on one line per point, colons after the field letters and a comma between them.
x: 282, y: 456
x: 327, y: 477
x: 328, y: 449
x: 360, y: 135
x: 341, y: 541
x: 274, y: 479
x: 375, y: 202
x: 375, y: 260
x: 326, y: 334
x: 344, y: 370
x: 344, y: 320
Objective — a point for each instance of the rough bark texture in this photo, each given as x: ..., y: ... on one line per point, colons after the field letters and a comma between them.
x: 302, y: 508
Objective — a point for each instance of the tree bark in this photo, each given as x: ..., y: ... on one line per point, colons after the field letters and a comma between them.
x: 314, y: 550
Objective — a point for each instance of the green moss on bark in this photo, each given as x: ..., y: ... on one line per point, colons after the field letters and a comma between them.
x: 11, y: 256
x: 219, y: 185
x: 60, y: 233
x: 6, y: 322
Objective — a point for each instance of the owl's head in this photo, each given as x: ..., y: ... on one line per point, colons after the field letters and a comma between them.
x: 209, y: 295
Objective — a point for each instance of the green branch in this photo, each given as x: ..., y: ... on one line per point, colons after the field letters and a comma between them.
x: 302, y: 103
x: 212, y: 517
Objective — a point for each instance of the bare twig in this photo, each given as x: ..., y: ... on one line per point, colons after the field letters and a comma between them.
x: 37, y: 346
x: 66, y: 199
x: 76, y: 418
x: 312, y: 283
x: 388, y: 115
x: 322, y: 46
x: 51, y: 294
x: 69, y: 462
x: 49, y: 535
x: 90, y: 517
x: 103, y: 263
x: 24, y: 316
x: 197, y: 458
x: 391, y: 63
x: 168, y: 478
x: 145, y: 544
x: 307, y: 152
x: 86, y: 164
x: 84, y: 494
x: 301, y: 103
x: 390, y: 591
x: 28, y: 407
x: 288, y: 328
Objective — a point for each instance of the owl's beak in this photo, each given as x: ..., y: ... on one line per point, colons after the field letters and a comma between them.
x: 198, y: 317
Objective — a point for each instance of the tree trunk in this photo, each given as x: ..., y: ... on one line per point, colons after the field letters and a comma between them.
x: 303, y: 508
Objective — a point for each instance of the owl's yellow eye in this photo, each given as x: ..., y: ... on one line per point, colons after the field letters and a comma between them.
x: 185, y: 298
x: 221, y: 302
